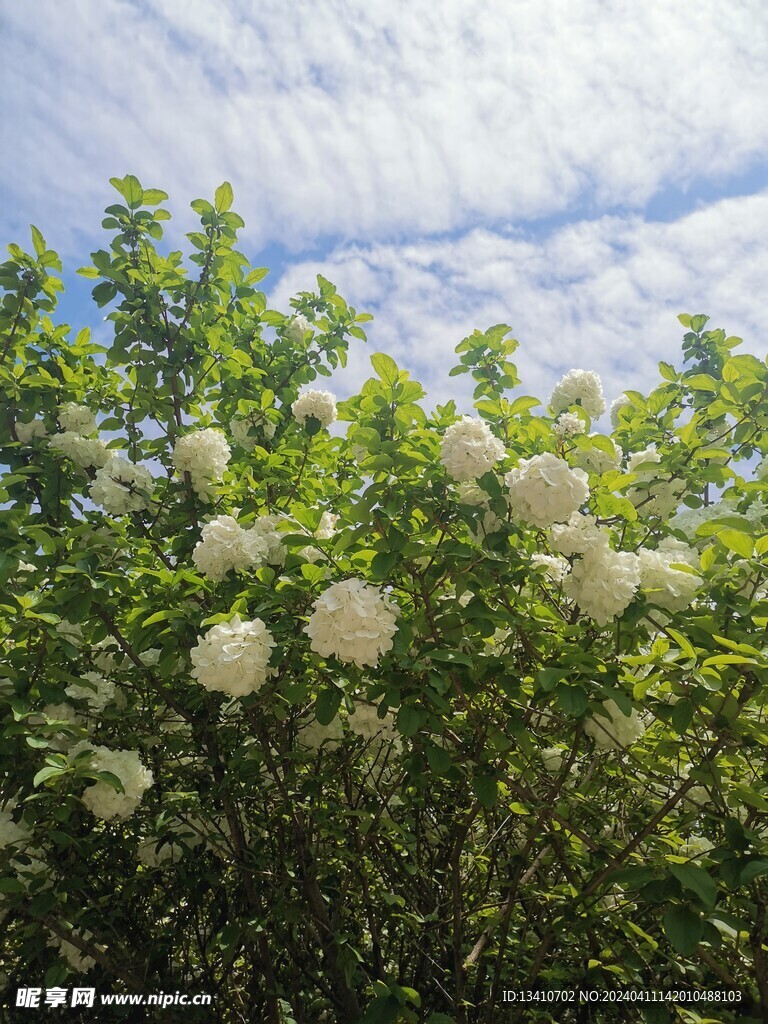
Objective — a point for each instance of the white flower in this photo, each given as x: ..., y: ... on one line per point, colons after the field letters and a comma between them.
x: 666, y: 587
x: 555, y: 568
x: 553, y: 759
x: 471, y: 493
x: 225, y: 547
x: 761, y: 469
x: 578, y: 535
x: 28, y: 430
x: 578, y: 387
x: 365, y: 722
x: 568, y: 424
x: 695, y: 847
x: 75, y: 957
x: 594, y: 459
x: 203, y: 454
x: 622, y: 402
x: 353, y: 622
x: 469, y: 449
x: 297, y: 327
x: 232, y: 657
x: 544, y: 490
x: 96, y: 691
x: 642, y: 462
x: 83, y: 451
x: 70, y: 631
x: 319, y: 404
x: 118, y: 484
x: 313, y: 735
x: 660, y: 497
x: 615, y: 731
x: 104, y: 801
x: 603, y: 583
x: 242, y: 429
x: 77, y: 419
x: 326, y: 528
x: 688, y: 520
x: 265, y: 531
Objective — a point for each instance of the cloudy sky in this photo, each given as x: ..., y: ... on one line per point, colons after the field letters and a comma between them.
x: 583, y: 170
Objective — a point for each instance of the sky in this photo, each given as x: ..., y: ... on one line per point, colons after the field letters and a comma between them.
x: 583, y: 170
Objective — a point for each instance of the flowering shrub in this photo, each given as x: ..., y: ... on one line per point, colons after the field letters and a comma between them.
x: 371, y: 724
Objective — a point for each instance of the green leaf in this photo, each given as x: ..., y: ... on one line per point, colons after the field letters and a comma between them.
x: 37, y: 240
x: 154, y: 196
x: 486, y: 790
x: 438, y: 758
x: 737, y: 541
x: 10, y: 886
x: 386, y: 367
x: 383, y: 1010
x: 408, y: 720
x: 48, y: 772
x: 130, y: 189
x: 327, y: 705
x: 697, y: 880
x: 223, y: 198
x: 684, y: 928
x: 682, y: 642
x: 753, y: 870
x: 572, y: 699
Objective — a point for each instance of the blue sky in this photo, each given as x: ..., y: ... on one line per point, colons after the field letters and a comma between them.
x: 583, y: 170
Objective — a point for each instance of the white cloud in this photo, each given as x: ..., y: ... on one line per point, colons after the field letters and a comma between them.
x: 601, y: 295
x: 365, y: 121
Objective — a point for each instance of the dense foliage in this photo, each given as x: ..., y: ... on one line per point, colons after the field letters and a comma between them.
x: 347, y: 710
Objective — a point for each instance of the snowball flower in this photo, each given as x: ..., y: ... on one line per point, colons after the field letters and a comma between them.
x: 28, y: 430
x: 104, y: 801
x: 265, y: 531
x: 95, y: 690
x: 555, y: 568
x: 11, y: 832
x: 297, y: 327
x: 319, y: 404
x: 603, y: 583
x: 666, y: 587
x: 469, y: 449
x: 203, y: 454
x: 83, y: 451
x: 688, y: 520
x: 661, y: 497
x: 117, y: 486
x: 232, y: 657
x: 578, y: 535
x: 544, y: 490
x: 79, y: 961
x: 622, y: 402
x: 364, y: 721
x: 568, y: 424
x: 352, y: 621
x: 326, y: 528
x: 242, y: 429
x: 594, y: 459
x: 77, y: 419
x: 225, y: 547
x: 313, y: 735
x: 615, y: 731
x: 578, y: 387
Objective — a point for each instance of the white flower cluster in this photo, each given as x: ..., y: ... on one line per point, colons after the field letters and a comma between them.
x: 352, y: 621
x: 77, y: 419
x: 568, y: 424
x: 555, y: 568
x: 544, y: 490
x: 225, y: 547
x: 83, y: 451
x: 487, y: 522
x: 469, y: 449
x: 622, y: 402
x: 266, y: 529
x: 578, y: 535
x: 660, y: 497
x: 242, y: 429
x: 95, y: 690
x: 28, y: 430
x: 118, y: 484
x: 233, y: 657
x: 319, y: 404
x: 666, y: 587
x: 594, y: 459
x: 315, y: 736
x: 688, y: 520
x: 297, y: 327
x: 603, y: 582
x: 615, y: 731
x: 578, y: 387
x: 156, y: 852
x: 104, y: 801
x: 203, y: 454
x: 364, y: 721
x: 75, y: 957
